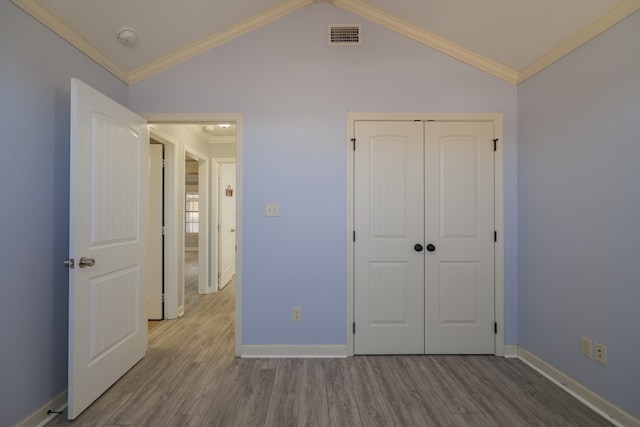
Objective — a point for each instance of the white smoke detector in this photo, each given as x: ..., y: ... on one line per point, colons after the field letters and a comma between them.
x: 127, y: 36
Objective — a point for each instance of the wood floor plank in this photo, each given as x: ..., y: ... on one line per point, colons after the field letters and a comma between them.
x: 341, y: 402
x: 186, y: 421
x: 283, y: 410
x: 312, y: 407
x: 371, y: 406
x: 226, y: 395
x: 254, y: 406
x: 190, y: 377
x: 407, y: 407
x: 312, y: 374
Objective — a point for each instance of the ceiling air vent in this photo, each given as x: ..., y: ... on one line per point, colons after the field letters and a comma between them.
x: 344, y: 35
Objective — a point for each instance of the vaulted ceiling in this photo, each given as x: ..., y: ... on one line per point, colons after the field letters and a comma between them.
x: 511, y: 39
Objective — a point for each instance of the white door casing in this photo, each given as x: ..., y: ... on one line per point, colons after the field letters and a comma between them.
x: 109, y: 150
x: 457, y: 219
x: 154, y: 291
x: 227, y: 222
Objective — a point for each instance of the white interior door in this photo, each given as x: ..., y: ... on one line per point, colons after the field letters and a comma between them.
x: 108, y: 241
x: 459, y: 204
x: 227, y: 218
x: 430, y: 184
x: 389, y: 273
x: 154, y: 288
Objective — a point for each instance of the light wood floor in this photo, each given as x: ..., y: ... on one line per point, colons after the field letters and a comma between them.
x: 190, y: 377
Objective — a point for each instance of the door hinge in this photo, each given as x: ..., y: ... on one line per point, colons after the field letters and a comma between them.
x: 354, y: 143
x: 495, y: 236
x: 70, y: 263
x: 354, y: 327
x: 354, y: 235
x: 495, y: 327
x: 162, y: 297
x: 495, y: 144
x: 164, y: 163
x: 164, y: 230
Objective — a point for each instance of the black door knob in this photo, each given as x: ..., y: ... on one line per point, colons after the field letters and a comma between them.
x: 418, y: 247
x: 431, y: 247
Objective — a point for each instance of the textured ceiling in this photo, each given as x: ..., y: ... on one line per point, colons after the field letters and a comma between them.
x: 162, y: 26
x: 511, y: 39
x: 512, y: 32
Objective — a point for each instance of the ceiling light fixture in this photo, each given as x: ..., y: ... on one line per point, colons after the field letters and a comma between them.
x: 127, y: 36
x: 224, y: 125
x: 209, y: 128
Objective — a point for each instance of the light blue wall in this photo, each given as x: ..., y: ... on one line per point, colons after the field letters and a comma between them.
x: 35, y: 71
x: 579, y: 212
x: 294, y: 92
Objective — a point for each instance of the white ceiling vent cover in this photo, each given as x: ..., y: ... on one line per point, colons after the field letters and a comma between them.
x: 344, y: 35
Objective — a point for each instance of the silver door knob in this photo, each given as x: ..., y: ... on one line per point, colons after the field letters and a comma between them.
x: 87, y: 262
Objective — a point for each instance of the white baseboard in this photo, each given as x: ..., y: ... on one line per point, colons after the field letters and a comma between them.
x: 40, y: 417
x: 293, y: 351
x: 510, y: 351
x: 611, y: 412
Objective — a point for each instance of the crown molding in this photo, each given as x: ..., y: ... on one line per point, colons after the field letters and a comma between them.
x: 617, y: 14
x: 597, y: 27
x: 217, y: 39
x: 429, y: 39
x: 33, y: 8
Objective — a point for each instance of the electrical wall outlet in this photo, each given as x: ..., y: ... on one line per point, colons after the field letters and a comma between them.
x: 586, y: 347
x: 296, y: 314
x: 272, y: 209
x: 601, y: 354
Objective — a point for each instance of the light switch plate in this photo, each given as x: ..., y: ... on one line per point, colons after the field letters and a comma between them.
x: 272, y: 209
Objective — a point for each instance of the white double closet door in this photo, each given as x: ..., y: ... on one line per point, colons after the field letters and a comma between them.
x: 424, y: 249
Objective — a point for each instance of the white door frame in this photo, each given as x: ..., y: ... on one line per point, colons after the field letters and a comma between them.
x: 496, y: 118
x: 215, y: 215
x: 189, y: 118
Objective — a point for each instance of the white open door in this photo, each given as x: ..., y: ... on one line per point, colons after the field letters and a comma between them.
x: 108, y: 242
x: 227, y: 218
x: 155, y: 273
